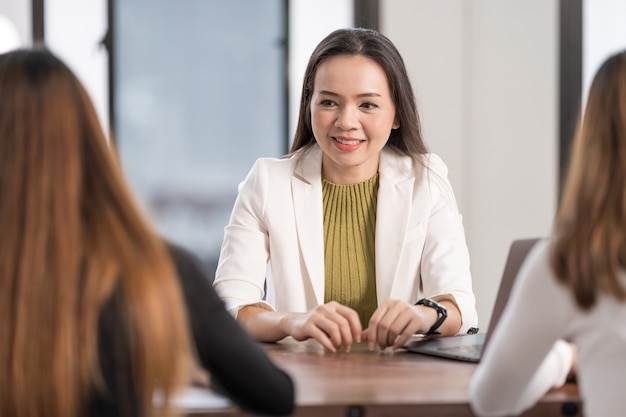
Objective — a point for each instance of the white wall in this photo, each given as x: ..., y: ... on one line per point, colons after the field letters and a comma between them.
x: 74, y: 30
x: 310, y: 22
x: 604, y: 33
x: 487, y: 87
x: 19, y: 12
x: 9, y: 35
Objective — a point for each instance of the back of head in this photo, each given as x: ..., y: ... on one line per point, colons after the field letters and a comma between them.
x: 589, y: 249
x: 72, y: 235
x: 377, y: 47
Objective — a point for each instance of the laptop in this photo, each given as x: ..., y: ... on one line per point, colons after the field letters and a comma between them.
x: 469, y: 347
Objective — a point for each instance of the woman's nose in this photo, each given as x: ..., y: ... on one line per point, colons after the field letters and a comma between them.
x: 347, y: 118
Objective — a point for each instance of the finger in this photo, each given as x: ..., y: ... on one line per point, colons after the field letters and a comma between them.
x: 392, y: 324
x: 337, y: 326
x: 323, y: 339
x: 355, y: 326
x: 372, y: 328
x: 317, y: 326
x: 365, y: 335
x: 403, y: 336
x: 412, y: 324
x: 349, y: 326
x: 402, y: 340
x: 330, y: 325
x: 386, y: 334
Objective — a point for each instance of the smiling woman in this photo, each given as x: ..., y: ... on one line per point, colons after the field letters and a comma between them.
x: 341, y: 240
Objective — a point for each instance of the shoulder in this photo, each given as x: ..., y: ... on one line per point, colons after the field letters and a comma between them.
x: 536, y: 276
x: 274, y: 166
x: 304, y: 163
x: 435, y: 164
x: 179, y: 254
x: 537, y: 262
x: 269, y: 165
x: 432, y: 172
x: 435, y: 172
x: 428, y: 172
x: 264, y: 173
x: 405, y: 165
x: 195, y: 282
x: 187, y: 265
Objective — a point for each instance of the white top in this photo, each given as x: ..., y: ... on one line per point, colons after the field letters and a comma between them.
x: 276, y: 231
x: 525, y: 357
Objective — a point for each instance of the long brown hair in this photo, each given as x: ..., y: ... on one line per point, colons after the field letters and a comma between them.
x: 377, y: 47
x: 588, y: 252
x: 71, y: 236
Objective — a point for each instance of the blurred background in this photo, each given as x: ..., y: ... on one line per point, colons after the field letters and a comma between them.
x: 194, y: 91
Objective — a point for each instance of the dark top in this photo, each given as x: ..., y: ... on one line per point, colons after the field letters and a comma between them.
x: 238, y: 367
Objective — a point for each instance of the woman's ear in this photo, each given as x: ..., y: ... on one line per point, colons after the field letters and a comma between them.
x: 396, y: 124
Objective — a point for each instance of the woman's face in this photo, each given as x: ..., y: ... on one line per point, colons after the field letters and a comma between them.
x: 352, y: 114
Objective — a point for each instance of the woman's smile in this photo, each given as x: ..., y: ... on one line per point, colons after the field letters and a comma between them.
x: 347, y: 144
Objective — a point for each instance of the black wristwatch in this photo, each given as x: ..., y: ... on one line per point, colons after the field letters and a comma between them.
x: 442, y: 313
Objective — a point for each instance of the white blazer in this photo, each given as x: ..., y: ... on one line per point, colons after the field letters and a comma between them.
x: 276, y: 231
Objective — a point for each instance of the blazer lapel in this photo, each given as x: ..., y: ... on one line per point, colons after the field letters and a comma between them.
x: 306, y: 185
x: 395, y: 195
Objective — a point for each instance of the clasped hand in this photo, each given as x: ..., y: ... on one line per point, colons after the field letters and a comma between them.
x: 336, y: 326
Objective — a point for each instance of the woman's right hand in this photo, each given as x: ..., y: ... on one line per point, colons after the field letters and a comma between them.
x: 332, y: 324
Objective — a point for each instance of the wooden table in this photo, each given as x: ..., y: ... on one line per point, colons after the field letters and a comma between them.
x: 376, y: 384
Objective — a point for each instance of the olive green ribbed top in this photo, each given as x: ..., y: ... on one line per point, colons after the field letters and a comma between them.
x: 349, y: 233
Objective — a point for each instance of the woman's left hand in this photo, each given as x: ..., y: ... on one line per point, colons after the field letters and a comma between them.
x: 395, y: 321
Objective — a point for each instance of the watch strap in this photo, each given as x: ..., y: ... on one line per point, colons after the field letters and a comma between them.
x: 442, y: 314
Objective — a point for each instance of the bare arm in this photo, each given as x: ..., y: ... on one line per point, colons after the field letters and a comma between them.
x: 332, y: 324
x: 263, y: 324
x: 452, y: 323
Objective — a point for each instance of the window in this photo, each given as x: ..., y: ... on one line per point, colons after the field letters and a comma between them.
x: 199, y: 93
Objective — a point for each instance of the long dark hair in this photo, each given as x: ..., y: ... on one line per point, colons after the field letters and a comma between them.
x: 375, y: 46
x: 72, y: 235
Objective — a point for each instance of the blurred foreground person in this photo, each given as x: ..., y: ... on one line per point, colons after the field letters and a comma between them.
x: 572, y: 287
x: 97, y: 313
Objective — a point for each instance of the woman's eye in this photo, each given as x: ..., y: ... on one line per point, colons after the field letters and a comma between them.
x: 368, y: 106
x: 327, y: 103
